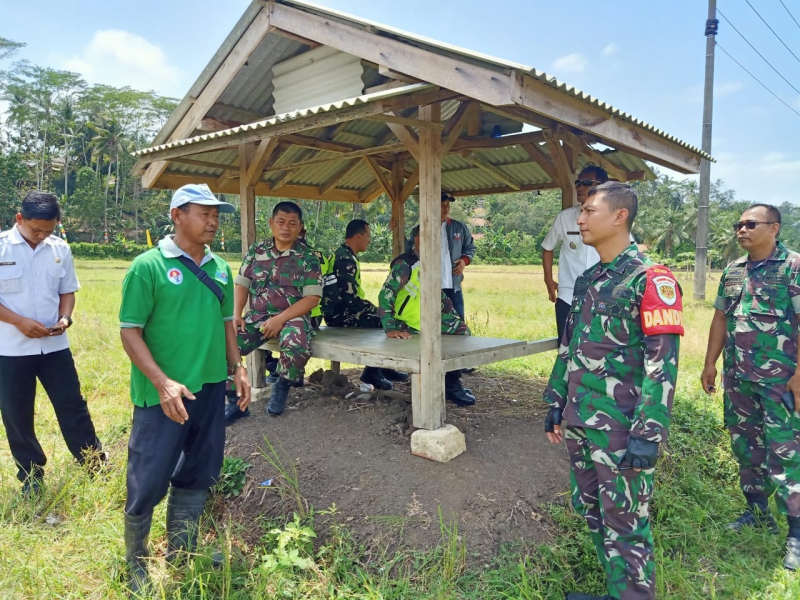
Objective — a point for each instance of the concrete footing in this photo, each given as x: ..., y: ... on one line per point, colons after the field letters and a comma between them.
x: 441, y: 445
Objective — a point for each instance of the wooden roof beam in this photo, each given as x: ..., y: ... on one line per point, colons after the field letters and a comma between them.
x: 335, y: 179
x: 454, y: 126
x: 583, y: 148
x: 380, y: 176
x: 544, y: 161
x: 259, y: 160
x: 407, y: 122
x: 545, y: 100
x: 407, y: 137
x: 504, y: 189
x: 497, y: 172
x: 354, y: 154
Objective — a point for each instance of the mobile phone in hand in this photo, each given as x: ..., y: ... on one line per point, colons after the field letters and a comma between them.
x: 788, y: 400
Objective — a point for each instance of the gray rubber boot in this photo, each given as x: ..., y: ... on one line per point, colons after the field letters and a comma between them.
x: 184, y: 508
x: 137, y: 530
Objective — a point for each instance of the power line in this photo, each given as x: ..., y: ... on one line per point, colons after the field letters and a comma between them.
x: 756, y: 51
x: 773, y: 31
x: 790, y: 14
x: 759, y: 81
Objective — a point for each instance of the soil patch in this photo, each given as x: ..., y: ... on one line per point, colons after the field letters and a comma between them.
x: 355, y: 453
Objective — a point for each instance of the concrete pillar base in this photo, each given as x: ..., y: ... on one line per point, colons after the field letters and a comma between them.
x: 441, y: 445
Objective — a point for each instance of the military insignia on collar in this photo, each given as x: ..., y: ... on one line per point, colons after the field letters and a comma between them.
x: 665, y: 288
x: 175, y: 276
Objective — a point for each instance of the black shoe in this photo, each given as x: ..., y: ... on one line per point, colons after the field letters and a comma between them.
x: 32, y: 487
x: 374, y: 376
x: 458, y: 395
x: 792, y: 559
x: 137, y: 530
x: 582, y: 596
x: 755, y: 518
x: 232, y: 412
x: 277, y: 399
x: 397, y: 376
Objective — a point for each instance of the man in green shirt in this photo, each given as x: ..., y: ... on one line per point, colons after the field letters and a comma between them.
x: 176, y: 322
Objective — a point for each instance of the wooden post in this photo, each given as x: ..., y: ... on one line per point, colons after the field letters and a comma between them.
x: 431, y: 377
x: 398, y: 212
x: 256, y: 362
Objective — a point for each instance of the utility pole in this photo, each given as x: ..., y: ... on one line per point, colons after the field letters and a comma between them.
x: 701, y: 240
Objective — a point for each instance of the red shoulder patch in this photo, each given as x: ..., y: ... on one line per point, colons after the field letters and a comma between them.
x: 662, y: 304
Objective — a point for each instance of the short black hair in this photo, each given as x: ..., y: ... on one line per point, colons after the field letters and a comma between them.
x: 414, y: 233
x: 772, y: 211
x: 40, y: 205
x: 598, y: 173
x: 619, y: 195
x: 288, y: 207
x: 355, y: 227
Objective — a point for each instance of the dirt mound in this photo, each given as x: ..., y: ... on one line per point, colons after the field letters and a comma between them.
x: 354, y: 452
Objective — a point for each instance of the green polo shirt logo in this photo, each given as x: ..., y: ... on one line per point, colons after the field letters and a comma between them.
x: 175, y: 276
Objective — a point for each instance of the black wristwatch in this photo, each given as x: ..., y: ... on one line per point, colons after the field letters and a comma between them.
x: 68, y: 318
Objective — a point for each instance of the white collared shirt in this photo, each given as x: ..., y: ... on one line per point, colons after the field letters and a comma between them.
x: 447, y: 261
x: 170, y: 249
x: 575, y: 256
x: 31, y: 281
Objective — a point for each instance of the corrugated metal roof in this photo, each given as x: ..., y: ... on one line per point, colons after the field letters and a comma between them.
x: 296, y: 114
x: 487, y: 61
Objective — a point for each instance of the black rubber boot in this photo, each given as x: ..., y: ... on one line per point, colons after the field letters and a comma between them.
x: 393, y: 375
x: 277, y: 399
x: 582, y: 596
x: 756, y: 515
x: 454, y: 391
x: 374, y: 376
x: 137, y: 530
x: 792, y: 559
x: 184, y: 508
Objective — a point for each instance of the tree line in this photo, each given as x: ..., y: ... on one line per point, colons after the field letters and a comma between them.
x: 63, y: 135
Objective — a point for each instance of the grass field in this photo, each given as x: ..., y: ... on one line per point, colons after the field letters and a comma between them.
x: 69, y: 543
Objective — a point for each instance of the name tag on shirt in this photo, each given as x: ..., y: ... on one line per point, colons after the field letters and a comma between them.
x: 573, y: 233
x: 8, y: 264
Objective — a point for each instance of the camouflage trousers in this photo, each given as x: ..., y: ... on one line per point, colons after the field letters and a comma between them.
x: 366, y: 318
x: 294, y: 342
x: 765, y: 439
x: 615, y: 504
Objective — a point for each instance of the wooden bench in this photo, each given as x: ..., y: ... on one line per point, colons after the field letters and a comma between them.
x: 371, y: 348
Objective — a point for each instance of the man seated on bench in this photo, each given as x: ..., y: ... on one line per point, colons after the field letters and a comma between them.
x: 343, y: 302
x: 399, y: 310
x: 284, y: 281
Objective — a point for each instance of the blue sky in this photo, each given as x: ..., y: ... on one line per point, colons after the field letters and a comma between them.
x: 644, y: 57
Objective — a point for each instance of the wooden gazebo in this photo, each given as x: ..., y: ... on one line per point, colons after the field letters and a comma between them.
x: 305, y: 102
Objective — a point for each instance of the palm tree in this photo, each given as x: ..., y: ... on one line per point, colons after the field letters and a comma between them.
x: 110, y: 141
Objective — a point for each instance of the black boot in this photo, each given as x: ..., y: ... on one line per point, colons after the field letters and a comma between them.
x: 454, y: 391
x: 756, y: 515
x: 137, y: 530
x: 232, y: 412
x: 272, y: 369
x: 792, y: 559
x: 374, y: 376
x: 393, y: 375
x: 184, y: 508
x: 582, y: 596
x: 277, y: 399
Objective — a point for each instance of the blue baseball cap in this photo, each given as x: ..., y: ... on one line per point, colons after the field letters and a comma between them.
x: 198, y: 193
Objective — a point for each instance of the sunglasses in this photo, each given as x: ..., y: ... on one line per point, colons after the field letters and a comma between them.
x: 750, y: 224
x: 586, y: 182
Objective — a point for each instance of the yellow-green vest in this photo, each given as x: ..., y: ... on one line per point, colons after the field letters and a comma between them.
x: 326, y: 266
x: 406, y: 305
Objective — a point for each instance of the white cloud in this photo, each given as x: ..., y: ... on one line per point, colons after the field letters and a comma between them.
x: 610, y: 49
x: 121, y: 58
x: 571, y: 63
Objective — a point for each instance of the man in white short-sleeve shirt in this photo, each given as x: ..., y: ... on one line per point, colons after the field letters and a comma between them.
x: 37, y: 297
x: 575, y: 256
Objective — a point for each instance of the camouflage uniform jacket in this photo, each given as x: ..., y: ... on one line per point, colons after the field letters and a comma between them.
x: 618, y: 360
x: 399, y: 275
x: 761, y: 302
x: 341, y: 293
x: 276, y: 280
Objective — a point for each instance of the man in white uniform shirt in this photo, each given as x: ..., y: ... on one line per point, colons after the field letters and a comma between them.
x: 37, y: 297
x: 575, y: 256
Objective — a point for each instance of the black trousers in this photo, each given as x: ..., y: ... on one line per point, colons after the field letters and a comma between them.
x: 162, y: 452
x: 562, y: 312
x: 56, y: 371
x: 457, y: 298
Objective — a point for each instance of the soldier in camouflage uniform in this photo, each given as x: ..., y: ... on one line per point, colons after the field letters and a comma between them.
x: 399, y: 311
x: 283, y: 281
x: 756, y: 323
x: 343, y: 299
x: 613, y: 384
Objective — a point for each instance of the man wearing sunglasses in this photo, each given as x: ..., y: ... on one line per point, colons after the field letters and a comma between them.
x: 756, y: 325
x: 575, y: 256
